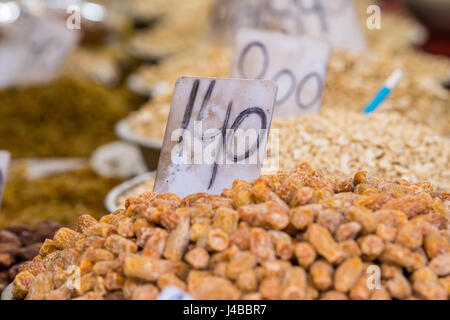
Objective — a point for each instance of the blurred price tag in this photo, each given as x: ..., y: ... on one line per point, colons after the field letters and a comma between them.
x: 34, y: 50
x: 333, y: 20
x: 217, y: 132
x: 173, y: 293
x: 298, y: 64
x: 4, y: 164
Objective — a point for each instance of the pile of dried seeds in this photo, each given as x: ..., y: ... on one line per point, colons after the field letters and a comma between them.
x: 300, y: 235
x: 382, y: 143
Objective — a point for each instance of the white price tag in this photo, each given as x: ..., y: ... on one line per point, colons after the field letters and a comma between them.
x: 217, y: 132
x: 34, y: 50
x: 333, y: 20
x: 4, y: 164
x: 298, y: 64
x: 173, y: 293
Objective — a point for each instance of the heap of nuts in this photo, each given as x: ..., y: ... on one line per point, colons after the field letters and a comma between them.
x: 301, y: 235
x: 385, y: 144
x: 21, y: 243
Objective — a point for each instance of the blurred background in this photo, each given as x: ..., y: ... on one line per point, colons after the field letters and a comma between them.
x: 86, y: 89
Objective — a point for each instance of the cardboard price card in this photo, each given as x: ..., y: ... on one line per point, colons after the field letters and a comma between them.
x: 298, y: 64
x: 217, y: 132
x: 4, y: 164
x: 34, y: 50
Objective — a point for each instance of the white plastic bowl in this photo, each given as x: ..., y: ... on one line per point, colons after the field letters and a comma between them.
x: 114, y: 194
x: 150, y: 148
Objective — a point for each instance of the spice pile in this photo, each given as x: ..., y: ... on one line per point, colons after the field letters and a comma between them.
x: 66, y: 118
x: 21, y: 243
x: 300, y: 235
x: 382, y: 143
x: 61, y: 197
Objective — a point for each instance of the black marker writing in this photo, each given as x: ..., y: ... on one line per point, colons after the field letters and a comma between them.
x: 265, y: 64
x: 316, y: 98
x: 226, y: 138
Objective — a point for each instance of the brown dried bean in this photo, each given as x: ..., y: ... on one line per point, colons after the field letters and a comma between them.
x: 427, y: 286
x: 347, y: 231
x: 89, y: 226
x: 240, y: 262
x: 154, y: 247
x: 198, y: 258
x: 399, y: 287
x: 66, y: 238
x: 329, y: 219
x: 302, y: 217
x: 435, y: 244
x: 347, y: 274
x: 261, y: 245
x: 226, y: 219
x: 117, y: 244
x: 113, y: 281
x: 270, y: 288
x: 409, y: 236
x: 170, y: 279
x: 294, y: 284
x: 284, y: 247
x: 177, y: 240
x: 247, y: 281
x: 371, y: 246
x: 387, y: 233
x: 365, y: 217
x: 146, y: 268
x: 322, y: 274
x: 276, y: 268
x: 303, y: 197
x: 269, y: 214
x: 305, y: 254
x: 324, y: 243
x: 204, y: 286
x: 360, y: 290
x: 241, y: 238
x: 145, y: 292
x: 441, y: 265
x: 217, y: 240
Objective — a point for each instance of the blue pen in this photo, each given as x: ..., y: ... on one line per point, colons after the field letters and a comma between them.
x: 384, y: 92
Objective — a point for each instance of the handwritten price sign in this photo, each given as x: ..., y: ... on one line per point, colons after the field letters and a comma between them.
x: 217, y: 132
x: 4, y: 164
x: 34, y: 50
x: 298, y: 64
x: 333, y: 20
